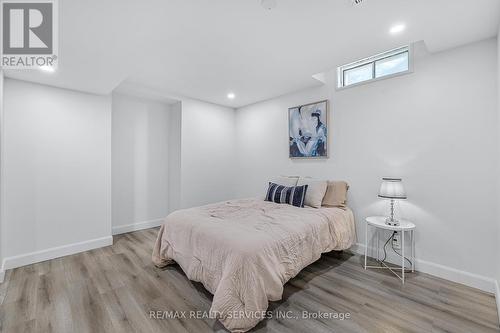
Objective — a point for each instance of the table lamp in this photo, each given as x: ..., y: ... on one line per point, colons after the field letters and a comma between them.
x: 392, y: 188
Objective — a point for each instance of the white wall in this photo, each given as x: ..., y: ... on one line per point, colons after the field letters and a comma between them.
x: 140, y: 163
x: 208, y: 153
x: 174, y: 156
x: 56, y: 177
x: 498, y: 177
x: 435, y: 128
x: 2, y: 273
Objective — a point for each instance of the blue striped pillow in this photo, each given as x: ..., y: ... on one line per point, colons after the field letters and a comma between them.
x: 294, y: 195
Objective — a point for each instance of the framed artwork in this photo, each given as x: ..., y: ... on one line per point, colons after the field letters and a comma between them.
x: 308, y: 130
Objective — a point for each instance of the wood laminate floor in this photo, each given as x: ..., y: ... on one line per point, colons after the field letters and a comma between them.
x: 113, y: 289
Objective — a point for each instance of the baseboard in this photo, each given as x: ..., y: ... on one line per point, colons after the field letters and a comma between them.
x: 55, y: 252
x: 469, y: 279
x: 136, y: 226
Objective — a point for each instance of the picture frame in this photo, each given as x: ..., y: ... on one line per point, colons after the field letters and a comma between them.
x: 308, y: 131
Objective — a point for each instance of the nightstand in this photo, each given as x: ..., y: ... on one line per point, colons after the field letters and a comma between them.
x: 404, y: 227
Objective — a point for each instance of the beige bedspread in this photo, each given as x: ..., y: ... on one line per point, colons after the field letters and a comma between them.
x: 244, y: 251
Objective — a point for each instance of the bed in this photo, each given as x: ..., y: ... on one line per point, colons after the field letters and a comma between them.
x: 244, y: 251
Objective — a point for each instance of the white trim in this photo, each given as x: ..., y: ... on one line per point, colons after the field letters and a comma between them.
x: 55, y: 252
x: 121, y: 229
x: 2, y: 276
x: 452, y: 274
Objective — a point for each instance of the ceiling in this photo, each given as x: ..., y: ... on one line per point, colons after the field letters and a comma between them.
x: 204, y: 49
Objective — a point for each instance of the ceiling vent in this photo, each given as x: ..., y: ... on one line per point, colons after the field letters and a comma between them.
x: 357, y: 2
x: 268, y: 4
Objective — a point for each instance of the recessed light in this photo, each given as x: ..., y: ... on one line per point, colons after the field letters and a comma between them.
x: 231, y: 95
x: 397, y: 28
x: 49, y: 69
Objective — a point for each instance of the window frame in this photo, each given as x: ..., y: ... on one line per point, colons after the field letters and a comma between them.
x: 373, y: 60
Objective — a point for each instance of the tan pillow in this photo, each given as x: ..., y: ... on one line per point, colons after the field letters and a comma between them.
x: 315, y: 191
x: 336, y: 194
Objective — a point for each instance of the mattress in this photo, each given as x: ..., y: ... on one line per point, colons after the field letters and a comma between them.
x: 244, y: 251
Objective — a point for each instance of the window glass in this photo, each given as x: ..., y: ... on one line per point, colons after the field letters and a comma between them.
x: 358, y: 74
x: 395, y: 64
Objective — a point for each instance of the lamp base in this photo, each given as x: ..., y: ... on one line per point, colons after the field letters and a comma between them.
x: 392, y: 222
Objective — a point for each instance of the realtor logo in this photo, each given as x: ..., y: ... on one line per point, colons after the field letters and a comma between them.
x: 29, y: 34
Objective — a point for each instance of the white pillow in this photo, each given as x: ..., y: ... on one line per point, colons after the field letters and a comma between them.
x: 286, y: 180
x: 316, y: 190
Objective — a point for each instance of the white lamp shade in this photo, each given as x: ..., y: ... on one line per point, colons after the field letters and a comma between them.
x: 392, y: 188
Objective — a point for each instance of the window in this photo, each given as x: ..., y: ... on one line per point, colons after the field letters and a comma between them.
x: 382, y: 65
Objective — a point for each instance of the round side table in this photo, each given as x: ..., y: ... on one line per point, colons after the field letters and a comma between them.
x: 378, y: 222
